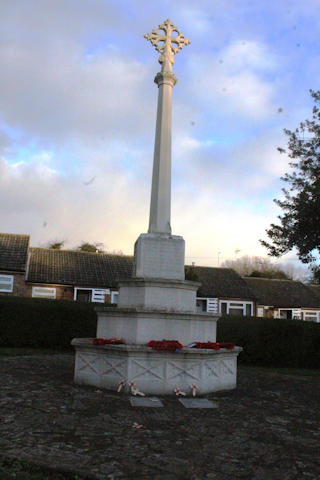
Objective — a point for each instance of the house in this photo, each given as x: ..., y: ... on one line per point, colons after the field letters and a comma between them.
x: 285, y: 299
x: 13, y: 263
x: 94, y: 277
x: 223, y: 291
x: 76, y: 275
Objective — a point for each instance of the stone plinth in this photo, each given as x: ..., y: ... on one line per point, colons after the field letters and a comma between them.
x: 159, y: 256
x: 154, y: 372
x: 158, y: 294
x: 138, y: 327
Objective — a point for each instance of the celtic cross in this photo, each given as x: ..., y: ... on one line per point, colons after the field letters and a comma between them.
x: 167, y: 44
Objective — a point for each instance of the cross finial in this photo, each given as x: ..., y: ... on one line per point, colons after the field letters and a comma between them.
x: 166, y: 44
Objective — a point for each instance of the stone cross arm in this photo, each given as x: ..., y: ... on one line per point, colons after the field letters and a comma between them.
x: 166, y: 43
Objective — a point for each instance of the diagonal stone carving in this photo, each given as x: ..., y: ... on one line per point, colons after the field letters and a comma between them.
x: 212, y: 369
x: 155, y: 369
x: 110, y: 367
x: 227, y: 367
x: 88, y: 363
x: 175, y: 370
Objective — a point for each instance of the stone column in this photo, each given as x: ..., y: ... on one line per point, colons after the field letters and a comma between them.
x: 160, y: 206
x: 158, y: 254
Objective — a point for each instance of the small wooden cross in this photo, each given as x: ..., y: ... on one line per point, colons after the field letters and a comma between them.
x: 167, y: 44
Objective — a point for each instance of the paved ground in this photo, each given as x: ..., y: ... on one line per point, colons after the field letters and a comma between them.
x: 267, y: 429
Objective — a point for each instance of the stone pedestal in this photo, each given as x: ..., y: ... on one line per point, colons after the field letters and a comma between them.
x: 154, y: 372
x: 158, y: 294
x: 159, y: 256
x: 138, y: 327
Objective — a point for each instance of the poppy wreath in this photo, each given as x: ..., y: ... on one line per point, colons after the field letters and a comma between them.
x: 213, y: 345
x: 108, y: 341
x: 169, y: 345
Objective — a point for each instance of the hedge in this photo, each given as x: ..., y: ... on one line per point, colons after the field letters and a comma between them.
x: 33, y: 322
x: 273, y: 342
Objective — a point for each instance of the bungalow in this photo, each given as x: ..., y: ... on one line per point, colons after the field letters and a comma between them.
x: 13, y: 263
x: 284, y: 299
x: 223, y: 291
x: 74, y: 275
x: 94, y: 277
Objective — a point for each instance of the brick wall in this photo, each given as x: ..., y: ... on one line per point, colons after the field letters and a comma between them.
x: 62, y: 292
x: 19, y: 285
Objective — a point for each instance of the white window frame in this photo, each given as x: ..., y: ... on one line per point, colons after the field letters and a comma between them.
x: 211, y: 304
x: 114, y: 297
x: 202, y: 299
x: 44, y: 290
x: 6, y: 280
x: 95, y: 293
x: 234, y: 304
x: 260, y: 312
x: 314, y: 314
x: 293, y: 311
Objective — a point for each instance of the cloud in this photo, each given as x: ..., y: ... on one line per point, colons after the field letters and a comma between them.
x: 33, y: 195
x: 78, y: 102
x: 236, y: 80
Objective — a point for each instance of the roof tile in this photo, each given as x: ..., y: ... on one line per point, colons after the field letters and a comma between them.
x: 13, y: 252
x: 283, y: 293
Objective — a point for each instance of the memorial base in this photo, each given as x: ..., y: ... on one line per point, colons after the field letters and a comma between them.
x: 154, y: 372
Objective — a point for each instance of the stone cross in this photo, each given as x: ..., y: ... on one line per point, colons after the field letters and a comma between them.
x: 167, y: 45
x: 164, y: 44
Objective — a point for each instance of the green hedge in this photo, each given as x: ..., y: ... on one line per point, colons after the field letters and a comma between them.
x: 273, y: 342
x: 31, y: 322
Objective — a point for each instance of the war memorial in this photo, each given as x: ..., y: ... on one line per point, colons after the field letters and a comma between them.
x: 157, y: 303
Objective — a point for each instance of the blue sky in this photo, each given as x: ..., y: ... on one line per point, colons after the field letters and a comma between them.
x: 78, y: 102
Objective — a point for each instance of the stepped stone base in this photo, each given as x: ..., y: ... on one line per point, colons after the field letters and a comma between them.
x: 139, y: 326
x: 158, y: 294
x: 154, y: 372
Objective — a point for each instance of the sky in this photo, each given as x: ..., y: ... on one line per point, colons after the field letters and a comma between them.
x: 78, y: 110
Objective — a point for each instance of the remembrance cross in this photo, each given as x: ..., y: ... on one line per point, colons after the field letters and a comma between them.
x: 167, y: 45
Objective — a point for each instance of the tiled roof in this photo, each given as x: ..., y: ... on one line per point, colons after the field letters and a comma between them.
x: 222, y: 283
x: 83, y: 269
x: 13, y: 252
x: 282, y: 293
x: 315, y: 289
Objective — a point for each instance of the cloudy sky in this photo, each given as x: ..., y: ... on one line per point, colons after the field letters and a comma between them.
x: 78, y: 108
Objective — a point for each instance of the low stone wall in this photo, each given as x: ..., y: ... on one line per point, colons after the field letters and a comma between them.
x: 155, y: 372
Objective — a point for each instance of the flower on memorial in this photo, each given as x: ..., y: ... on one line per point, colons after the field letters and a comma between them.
x: 169, y: 345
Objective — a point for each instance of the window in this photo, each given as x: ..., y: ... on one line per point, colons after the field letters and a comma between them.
x: 286, y: 314
x: 84, y: 295
x: 44, y: 292
x: 97, y: 295
x: 114, y: 297
x: 201, y: 305
x: 6, y: 283
x: 230, y: 307
x: 209, y: 305
x: 310, y: 316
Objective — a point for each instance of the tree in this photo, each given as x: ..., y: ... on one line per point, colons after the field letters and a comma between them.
x: 300, y: 223
x: 255, y: 267
x: 314, y: 277
x: 56, y: 245
x: 91, y: 247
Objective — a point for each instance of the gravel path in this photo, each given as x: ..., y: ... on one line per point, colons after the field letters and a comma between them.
x: 266, y: 429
